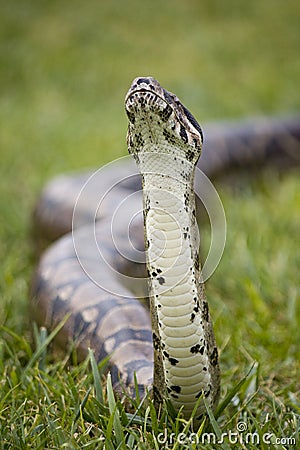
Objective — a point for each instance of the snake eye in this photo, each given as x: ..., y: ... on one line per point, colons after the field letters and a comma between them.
x: 183, y: 134
x: 193, y: 121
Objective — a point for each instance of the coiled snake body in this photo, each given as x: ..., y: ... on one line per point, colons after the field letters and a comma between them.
x: 91, y: 274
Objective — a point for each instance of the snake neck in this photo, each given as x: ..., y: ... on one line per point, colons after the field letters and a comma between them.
x: 185, y: 355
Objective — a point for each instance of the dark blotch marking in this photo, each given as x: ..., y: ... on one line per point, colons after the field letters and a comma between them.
x: 190, y: 155
x: 142, y: 101
x: 192, y: 317
x: 197, y: 261
x: 156, y: 342
x: 80, y: 325
x: 205, y: 312
x: 139, y: 139
x: 214, y: 357
x: 197, y: 349
x: 161, y: 280
x: 169, y: 138
x: 156, y: 395
x: 131, y: 116
x: 183, y: 135
x: 193, y: 121
x: 165, y: 113
x: 173, y: 361
x: 136, y: 158
x: 176, y: 388
x: 186, y: 202
x: 195, y: 143
x: 206, y: 393
x: 147, y: 205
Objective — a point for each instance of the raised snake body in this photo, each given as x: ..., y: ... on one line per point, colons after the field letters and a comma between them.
x: 88, y: 278
x: 166, y: 142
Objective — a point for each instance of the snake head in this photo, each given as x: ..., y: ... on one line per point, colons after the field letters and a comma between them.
x: 158, y: 119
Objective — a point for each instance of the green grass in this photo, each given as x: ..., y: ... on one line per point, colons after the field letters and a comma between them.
x: 65, y: 67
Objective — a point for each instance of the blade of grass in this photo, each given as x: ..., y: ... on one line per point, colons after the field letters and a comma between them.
x: 114, y: 412
x: 231, y: 394
x: 20, y: 339
x: 96, y: 376
x: 82, y: 405
x: 215, y: 426
x: 40, y: 350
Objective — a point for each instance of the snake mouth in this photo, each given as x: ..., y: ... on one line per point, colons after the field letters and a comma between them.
x: 143, y: 99
x: 145, y: 85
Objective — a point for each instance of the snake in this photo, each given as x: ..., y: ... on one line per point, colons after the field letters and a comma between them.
x: 125, y: 240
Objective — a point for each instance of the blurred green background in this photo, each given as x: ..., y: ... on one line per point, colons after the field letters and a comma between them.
x: 64, y: 70
x: 66, y: 66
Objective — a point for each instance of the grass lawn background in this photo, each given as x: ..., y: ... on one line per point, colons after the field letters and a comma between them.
x: 64, y: 70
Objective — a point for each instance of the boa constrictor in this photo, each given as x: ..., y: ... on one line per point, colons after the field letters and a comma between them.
x: 94, y: 273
